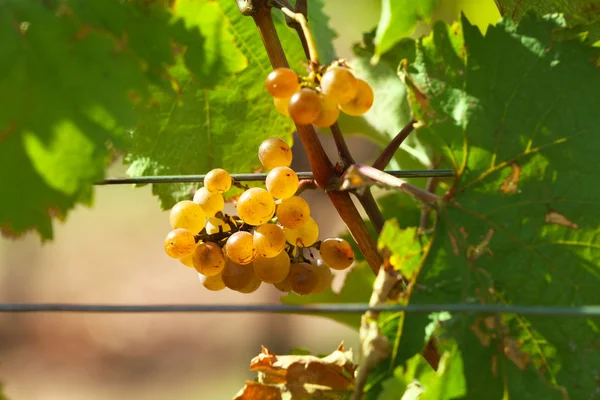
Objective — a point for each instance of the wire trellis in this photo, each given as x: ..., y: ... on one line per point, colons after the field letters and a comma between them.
x: 330, y: 308
x: 416, y: 173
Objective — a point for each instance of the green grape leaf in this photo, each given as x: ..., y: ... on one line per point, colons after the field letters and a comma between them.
x: 222, y: 125
x: 399, y: 19
x: 581, y: 15
x: 357, y: 289
x: 405, y: 247
x: 520, y: 221
x: 70, y: 84
x: 417, y: 380
x: 77, y: 69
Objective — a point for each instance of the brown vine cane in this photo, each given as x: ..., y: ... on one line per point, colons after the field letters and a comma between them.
x: 321, y: 166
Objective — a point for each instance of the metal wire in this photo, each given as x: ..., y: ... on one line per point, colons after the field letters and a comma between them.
x: 425, y: 173
x: 347, y: 308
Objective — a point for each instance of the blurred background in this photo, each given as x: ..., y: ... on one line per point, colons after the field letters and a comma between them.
x: 112, y: 253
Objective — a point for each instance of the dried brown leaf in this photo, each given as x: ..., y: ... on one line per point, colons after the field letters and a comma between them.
x: 335, y: 371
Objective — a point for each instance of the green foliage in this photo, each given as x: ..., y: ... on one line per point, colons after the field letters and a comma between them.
x: 405, y: 247
x: 520, y: 222
x: 69, y: 77
x: 419, y: 381
x: 398, y: 19
x: 204, y: 127
x: 357, y: 289
x: 580, y: 15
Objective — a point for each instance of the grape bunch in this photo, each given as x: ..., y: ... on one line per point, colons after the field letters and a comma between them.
x: 267, y: 239
x: 318, y: 98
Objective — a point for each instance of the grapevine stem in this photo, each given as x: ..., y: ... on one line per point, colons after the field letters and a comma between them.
x: 341, y: 145
x: 388, y: 153
x: 366, y: 198
x: 306, y: 184
x: 360, y: 175
x: 371, y: 208
x: 321, y: 166
x: 310, y: 41
x: 302, y: 8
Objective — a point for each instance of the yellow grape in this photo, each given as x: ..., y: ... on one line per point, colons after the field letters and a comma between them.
x: 336, y: 253
x: 274, y: 152
x: 251, y: 286
x: 213, y: 283
x: 285, y: 285
x: 338, y: 84
x: 304, y: 236
x: 188, y: 215
x: 324, y: 277
x: 304, y: 106
x: 211, y: 203
x: 187, y: 260
x: 240, y: 247
x: 217, y: 181
x: 303, y: 278
x: 236, y: 276
x: 329, y: 113
x: 208, y: 259
x: 293, y: 212
x: 361, y: 102
x: 269, y: 240
x: 179, y: 243
x: 272, y: 270
x: 282, y: 182
x: 256, y: 206
x: 281, y: 105
x: 214, y: 224
x: 282, y: 82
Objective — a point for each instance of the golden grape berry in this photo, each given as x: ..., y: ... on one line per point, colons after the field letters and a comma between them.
x: 282, y: 182
x: 179, y: 243
x: 282, y: 82
x: 252, y: 285
x: 336, y: 253
x: 324, y: 277
x: 213, y: 283
x: 329, y: 113
x: 240, y: 247
x: 339, y: 84
x: 274, y: 152
x: 269, y: 240
x: 304, y: 236
x: 187, y: 215
x: 272, y: 270
x: 217, y: 181
x: 293, y: 212
x: 236, y: 276
x: 211, y: 203
x: 208, y: 259
x: 304, y: 106
x: 303, y: 278
x: 187, y: 260
x: 361, y: 102
x: 281, y: 105
x: 285, y: 285
x: 256, y: 206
